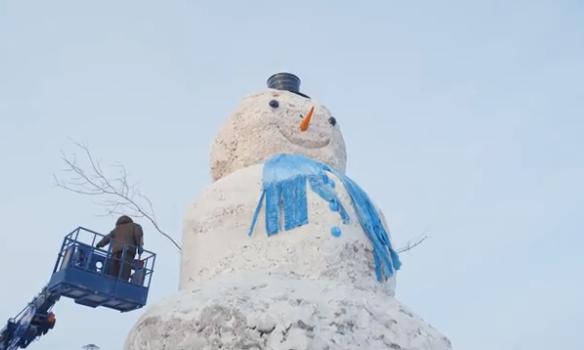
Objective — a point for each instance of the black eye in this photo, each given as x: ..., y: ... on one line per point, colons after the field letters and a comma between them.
x: 333, y: 121
x: 274, y: 104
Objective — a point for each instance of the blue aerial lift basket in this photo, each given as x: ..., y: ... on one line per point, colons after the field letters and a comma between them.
x: 82, y: 273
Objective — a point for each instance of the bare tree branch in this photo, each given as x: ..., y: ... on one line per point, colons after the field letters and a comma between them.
x: 120, y: 196
x: 413, y: 243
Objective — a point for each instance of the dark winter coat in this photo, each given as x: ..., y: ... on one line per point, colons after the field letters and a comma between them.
x: 125, y: 234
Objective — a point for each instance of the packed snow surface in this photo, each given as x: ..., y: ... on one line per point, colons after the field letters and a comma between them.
x: 260, y: 311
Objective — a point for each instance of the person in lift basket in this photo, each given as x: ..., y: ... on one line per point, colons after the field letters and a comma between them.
x: 128, y: 236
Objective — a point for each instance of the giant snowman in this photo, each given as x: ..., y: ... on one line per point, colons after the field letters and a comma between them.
x: 283, y: 251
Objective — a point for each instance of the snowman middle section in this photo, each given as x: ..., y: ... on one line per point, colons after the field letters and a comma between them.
x: 290, y: 216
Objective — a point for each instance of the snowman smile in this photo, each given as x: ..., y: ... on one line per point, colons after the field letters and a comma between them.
x: 312, y: 138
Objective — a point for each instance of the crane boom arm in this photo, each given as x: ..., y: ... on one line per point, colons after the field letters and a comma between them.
x: 35, y: 320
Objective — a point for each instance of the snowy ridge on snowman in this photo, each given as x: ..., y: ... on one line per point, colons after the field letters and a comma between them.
x: 283, y: 250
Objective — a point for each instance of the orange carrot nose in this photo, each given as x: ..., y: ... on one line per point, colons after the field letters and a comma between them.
x: 306, y: 120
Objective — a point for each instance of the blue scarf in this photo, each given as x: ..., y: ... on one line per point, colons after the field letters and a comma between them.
x: 285, y: 177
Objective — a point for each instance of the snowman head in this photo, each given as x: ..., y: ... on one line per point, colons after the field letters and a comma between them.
x: 277, y: 120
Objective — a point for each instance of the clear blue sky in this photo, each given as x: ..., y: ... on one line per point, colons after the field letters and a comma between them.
x: 461, y: 117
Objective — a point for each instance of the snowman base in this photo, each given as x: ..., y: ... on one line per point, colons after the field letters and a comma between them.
x: 265, y: 311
